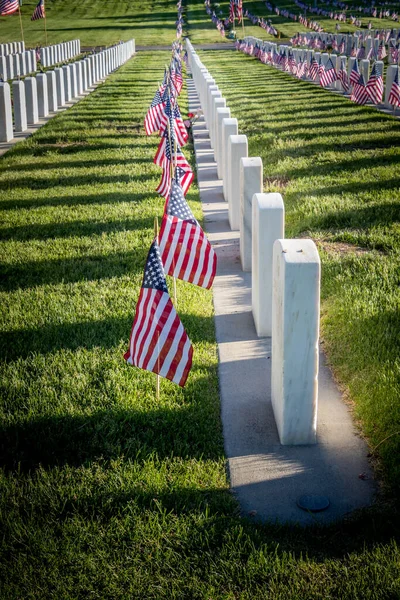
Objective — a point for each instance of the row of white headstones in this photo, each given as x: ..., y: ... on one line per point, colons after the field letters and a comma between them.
x: 364, y: 65
x: 19, y: 64
x: 356, y: 39
x: 37, y: 97
x: 285, y: 272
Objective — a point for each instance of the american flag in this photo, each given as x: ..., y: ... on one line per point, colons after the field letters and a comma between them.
x: 360, y: 94
x: 231, y: 11
x: 152, y: 120
x: 239, y: 10
x: 158, y: 342
x: 185, y: 250
x: 313, y: 71
x: 329, y: 74
x: 39, y: 13
x: 167, y: 158
x: 382, y: 51
x: 375, y: 83
x: 394, y: 94
x: 355, y: 73
x: 172, y: 114
x: 7, y: 7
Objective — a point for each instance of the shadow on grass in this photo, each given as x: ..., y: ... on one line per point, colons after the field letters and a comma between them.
x: 42, y: 183
x: 107, y: 333
x: 71, y: 270
x: 75, y: 228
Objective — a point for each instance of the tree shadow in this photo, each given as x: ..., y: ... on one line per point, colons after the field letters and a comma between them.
x: 31, y: 274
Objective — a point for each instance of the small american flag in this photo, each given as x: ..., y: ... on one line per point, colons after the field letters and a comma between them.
x: 231, y: 11
x: 158, y: 342
x: 179, y: 127
x: 355, y: 73
x: 375, y: 83
x: 313, y: 70
x: 360, y: 94
x: 394, y: 94
x: 7, y: 7
x: 329, y: 74
x: 39, y: 13
x: 239, y: 10
x: 167, y: 158
x: 152, y: 120
x: 185, y: 250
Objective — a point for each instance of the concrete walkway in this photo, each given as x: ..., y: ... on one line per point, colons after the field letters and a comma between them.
x: 266, y: 477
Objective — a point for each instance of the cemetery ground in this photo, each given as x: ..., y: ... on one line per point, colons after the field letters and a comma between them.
x: 151, y: 23
x: 107, y: 492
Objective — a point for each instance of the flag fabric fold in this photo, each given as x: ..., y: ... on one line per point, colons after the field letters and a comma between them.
x: 185, y: 250
x: 158, y: 341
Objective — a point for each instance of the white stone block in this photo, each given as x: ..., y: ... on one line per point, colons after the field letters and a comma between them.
x: 390, y: 75
x: 43, y: 102
x: 33, y: 61
x: 295, y: 331
x: 221, y: 114
x: 22, y: 65
x: 237, y: 149
x: 268, y: 225
x: 20, y: 120
x: 251, y: 182
x: 52, y: 91
x: 229, y: 127
x: 212, y: 91
x: 6, y: 125
x: 16, y: 66
x: 3, y: 68
x: 67, y: 83
x: 60, y: 86
x: 32, y: 111
x: 217, y: 103
x: 72, y: 76
x: 79, y: 77
x: 213, y: 95
x: 10, y: 66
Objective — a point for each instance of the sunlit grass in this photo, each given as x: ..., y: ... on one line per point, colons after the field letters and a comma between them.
x: 106, y: 492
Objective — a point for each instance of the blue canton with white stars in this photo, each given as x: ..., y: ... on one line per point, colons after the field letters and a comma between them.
x: 177, y: 205
x: 154, y: 273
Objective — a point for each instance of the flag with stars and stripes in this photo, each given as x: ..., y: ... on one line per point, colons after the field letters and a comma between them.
x: 185, y: 250
x: 394, y: 94
x: 375, y: 83
x: 329, y: 74
x: 158, y: 342
x: 152, y: 120
x: 38, y: 13
x: 8, y: 7
x: 360, y: 94
x: 173, y: 112
x: 313, y: 70
x: 169, y: 156
x: 355, y: 73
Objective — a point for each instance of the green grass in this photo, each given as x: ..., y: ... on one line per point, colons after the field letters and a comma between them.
x: 105, y: 492
x: 94, y: 22
x: 337, y: 167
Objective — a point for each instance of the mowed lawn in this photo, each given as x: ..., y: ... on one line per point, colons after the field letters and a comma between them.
x: 106, y: 492
x: 95, y: 23
x: 337, y: 166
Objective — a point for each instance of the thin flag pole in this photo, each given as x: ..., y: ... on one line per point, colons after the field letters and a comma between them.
x: 20, y: 22
x: 45, y: 24
x: 158, y: 334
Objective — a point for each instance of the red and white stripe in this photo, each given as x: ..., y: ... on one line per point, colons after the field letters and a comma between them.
x: 8, y: 7
x: 159, y: 342
x: 186, y: 252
